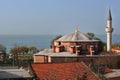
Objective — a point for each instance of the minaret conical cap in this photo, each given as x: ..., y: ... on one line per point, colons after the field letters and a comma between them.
x: 109, y: 15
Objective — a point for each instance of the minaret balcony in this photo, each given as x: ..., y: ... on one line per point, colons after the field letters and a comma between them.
x: 109, y: 30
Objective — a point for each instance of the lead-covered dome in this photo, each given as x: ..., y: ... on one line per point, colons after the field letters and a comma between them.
x: 76, y: 36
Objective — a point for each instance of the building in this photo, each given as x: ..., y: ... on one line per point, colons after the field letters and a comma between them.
x: 116, y: 48
x: 71, y: 45
x: 63, y: 71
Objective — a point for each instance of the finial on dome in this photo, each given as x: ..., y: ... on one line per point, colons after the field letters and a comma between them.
x: 77, y: 29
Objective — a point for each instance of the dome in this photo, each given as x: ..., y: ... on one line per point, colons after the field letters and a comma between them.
x: 76, y: 36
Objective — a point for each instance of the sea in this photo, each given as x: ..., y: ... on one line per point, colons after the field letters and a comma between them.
x: 39, y: 41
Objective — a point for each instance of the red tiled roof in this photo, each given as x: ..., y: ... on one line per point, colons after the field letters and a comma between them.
x: 62, y: 71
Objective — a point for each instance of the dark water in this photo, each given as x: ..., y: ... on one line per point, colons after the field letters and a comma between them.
x: 40, y: 41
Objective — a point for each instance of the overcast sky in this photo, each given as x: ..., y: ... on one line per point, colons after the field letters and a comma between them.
x: 57, y: 16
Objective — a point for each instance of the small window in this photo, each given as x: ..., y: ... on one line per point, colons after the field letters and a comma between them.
x: 84, y: 47
x: 59, y: 43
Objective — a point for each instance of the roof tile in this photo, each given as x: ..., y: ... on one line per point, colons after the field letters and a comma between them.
x: 60, y: 71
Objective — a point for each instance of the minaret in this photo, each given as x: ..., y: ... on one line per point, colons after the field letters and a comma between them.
x: 109, y: 31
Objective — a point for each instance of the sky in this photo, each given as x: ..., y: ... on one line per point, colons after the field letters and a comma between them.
x: 31, y: 17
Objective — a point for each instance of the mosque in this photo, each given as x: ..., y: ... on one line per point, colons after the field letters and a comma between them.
x: 74, y: 45
x: 77, y: 43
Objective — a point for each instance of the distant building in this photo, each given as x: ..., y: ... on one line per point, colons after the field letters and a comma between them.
x: 116, y: 50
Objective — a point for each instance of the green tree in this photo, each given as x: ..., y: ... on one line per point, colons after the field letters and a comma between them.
x: 91, y: 35
x: 22, y: 49
x: 18, y: 50
x: 102, y: 44
x: 32, y: 49
x: 57, y: 37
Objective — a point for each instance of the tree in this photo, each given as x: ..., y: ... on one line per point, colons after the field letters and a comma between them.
x: 32, y: 49
x: 2, y: 52
x: 57, y: 37
x: 2, y: 48
x: 22, y: 49
x: 14, y: 52
x: 91, y: 35
x: 17, y: 50
x: 102, y: 44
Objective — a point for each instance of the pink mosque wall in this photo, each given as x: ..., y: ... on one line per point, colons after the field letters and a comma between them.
x: 70, y: 47
x: 38, y: 58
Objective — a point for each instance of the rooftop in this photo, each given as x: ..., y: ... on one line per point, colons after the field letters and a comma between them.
x: 76, y: 36
x: 62, y: 71
x: 49, y: 52
x: 114, y: 73
x: 14, y: 73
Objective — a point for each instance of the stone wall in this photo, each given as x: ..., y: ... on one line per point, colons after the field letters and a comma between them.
x: 110, y: 61
x: 40, y: 59
x: 80, y: 47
